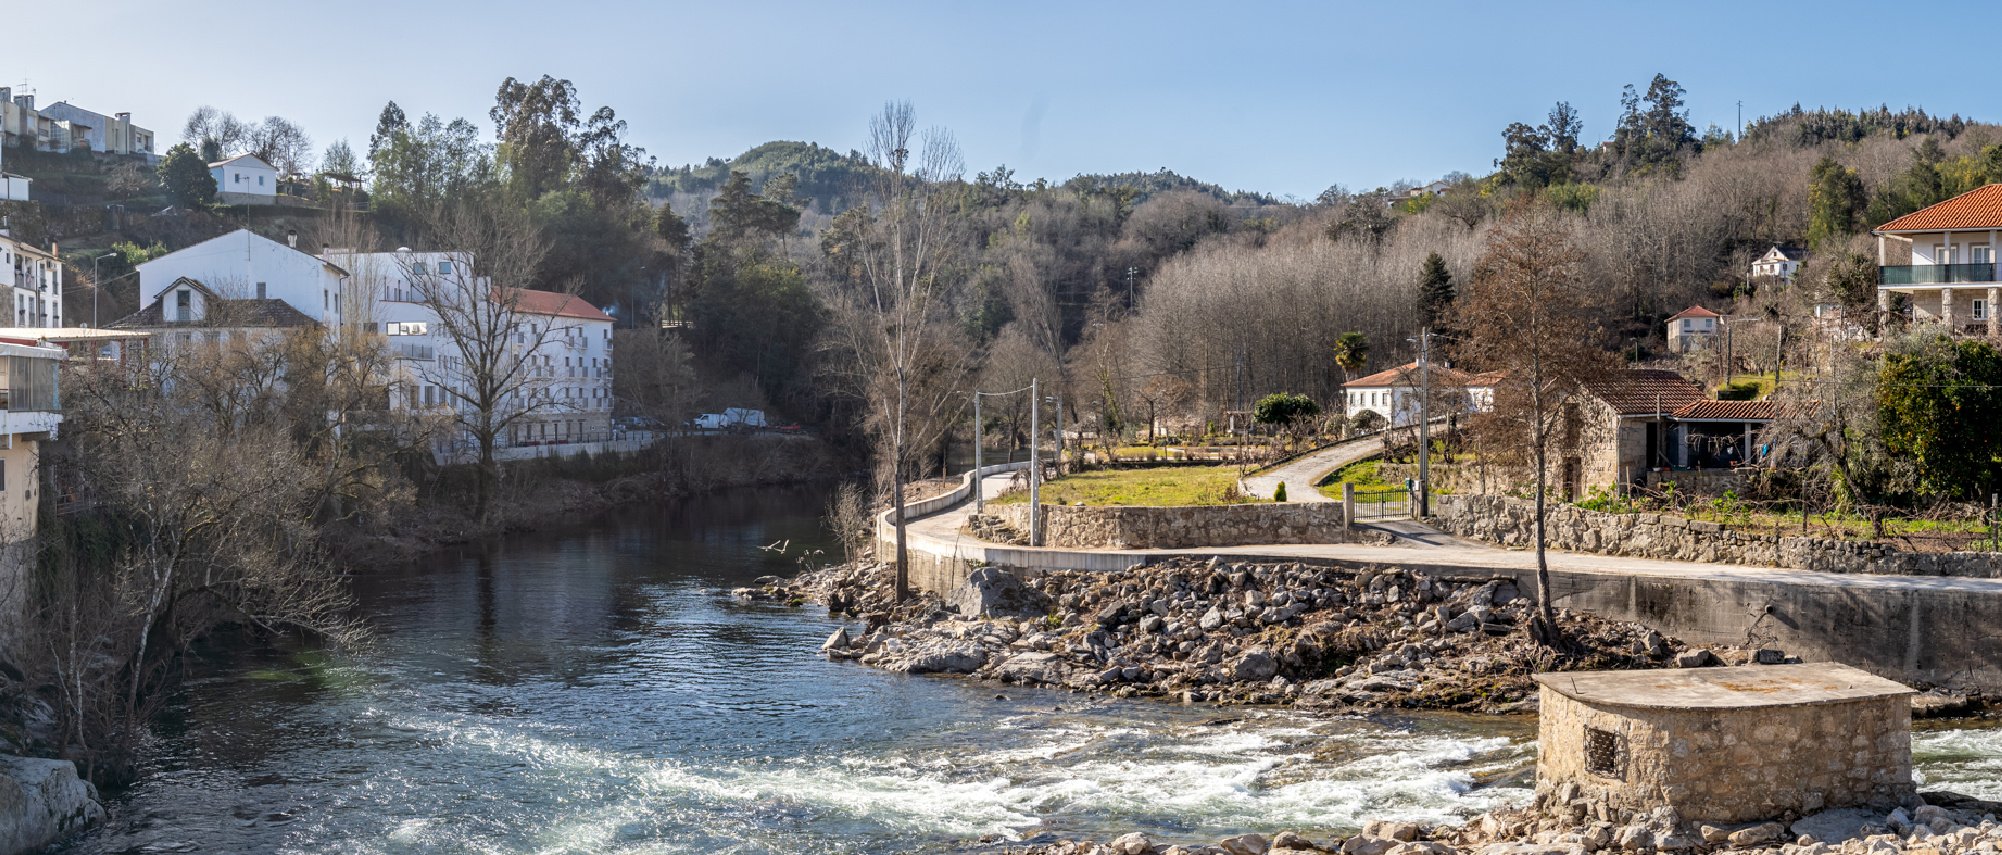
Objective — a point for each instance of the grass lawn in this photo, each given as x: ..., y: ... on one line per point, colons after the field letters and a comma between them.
x: 1159, y: 485
x: 1363, y: 475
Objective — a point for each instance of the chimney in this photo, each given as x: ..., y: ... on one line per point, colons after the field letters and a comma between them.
x: 27, y: 102
x: 4, y: 231
x: 292, y: 238
x: 7, y: 94
x: 124, y: 117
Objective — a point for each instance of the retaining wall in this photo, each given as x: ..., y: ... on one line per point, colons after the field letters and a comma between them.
x: 1182, y: 527
x: 1512, y: 522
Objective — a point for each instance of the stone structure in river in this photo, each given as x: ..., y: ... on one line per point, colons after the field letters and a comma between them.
x: 1722, y: 744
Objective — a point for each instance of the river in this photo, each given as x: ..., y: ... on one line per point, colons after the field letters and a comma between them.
x: 597, y: 690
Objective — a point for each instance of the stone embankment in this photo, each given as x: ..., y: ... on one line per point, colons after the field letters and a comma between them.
x: 42, y: 802
x: 1944, y: 824
x: 1512, y: 522
x: 1167, y: 527
x: 1211, y: 631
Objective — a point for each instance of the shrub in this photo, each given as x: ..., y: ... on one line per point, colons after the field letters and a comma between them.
x: 1279, y: 492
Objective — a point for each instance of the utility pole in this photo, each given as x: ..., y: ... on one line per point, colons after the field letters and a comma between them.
x: 1058, y: 400
x: 1741, y: 120
x: 1130, y: 273
x: 979, y: 500
x: 1424, y: 424
x: 1035, y: 467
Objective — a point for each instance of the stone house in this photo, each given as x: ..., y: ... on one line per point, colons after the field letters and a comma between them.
x: 1722, y: 745
x: 1619, y: 429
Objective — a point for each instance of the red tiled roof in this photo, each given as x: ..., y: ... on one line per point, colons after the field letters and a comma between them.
x: 1744, y: 411
x: 1407, y: 375
x: 1980, y: 208
x: 552, y: 303
x: 1694, y: 312
x: 1642, y: 391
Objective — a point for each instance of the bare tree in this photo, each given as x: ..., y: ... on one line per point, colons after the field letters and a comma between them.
x: 492, y: 372
x: 1526, y: 313
x: 282, y: 143
x: 905, y: 360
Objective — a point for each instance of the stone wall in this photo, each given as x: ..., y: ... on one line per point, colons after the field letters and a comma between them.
x: 1512, y: 522
x: 1446, y: 477
x: 1703, y: 482
x: 1182, y: 527
x: 1728, y: 765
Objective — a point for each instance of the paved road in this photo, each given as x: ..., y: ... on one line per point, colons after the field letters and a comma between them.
x: 1417, y: 544
x: 1302, y: 473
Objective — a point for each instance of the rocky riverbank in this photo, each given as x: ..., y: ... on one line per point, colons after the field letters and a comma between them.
x: 1944, y: 824
x: 1237, y: 633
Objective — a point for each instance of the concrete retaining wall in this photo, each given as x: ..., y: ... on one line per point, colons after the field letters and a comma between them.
x: 1182, y: 527
x: 1512, y: 522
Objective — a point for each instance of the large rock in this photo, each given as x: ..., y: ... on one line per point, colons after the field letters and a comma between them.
x: 942, y: 658
x: 1835, y: 826
x: 41, y: 802
x: 994, y: 592
x: 1254, y: 666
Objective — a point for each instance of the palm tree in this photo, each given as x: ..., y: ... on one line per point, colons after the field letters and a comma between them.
x: 1351, y: 353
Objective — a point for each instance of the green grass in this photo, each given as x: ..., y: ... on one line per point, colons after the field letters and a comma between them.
x: 1363, y: 475
x: 1160, y: 485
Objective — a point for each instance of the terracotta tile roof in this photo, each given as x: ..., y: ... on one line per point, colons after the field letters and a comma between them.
x: 551, y: 303
x: 1694, y: 312
x: 1406, y: 375
x: 1644, y: 391
x: 1744, y: 411
x: 1980, y: 208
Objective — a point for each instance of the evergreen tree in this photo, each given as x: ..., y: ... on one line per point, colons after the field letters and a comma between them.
x: 1435, y: 291
x: 1834, y: 202
x: 186, y: 177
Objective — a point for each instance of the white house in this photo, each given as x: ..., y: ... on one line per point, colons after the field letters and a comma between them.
x: 1395, y: 395
x: 1780, y: 262
x: 242, y: 265
x: 1693, y: 329
x: 245, y: 180
x: 13, y: 188
x: 113, y: 134
x: 1937, y: 264
x: 567, y: 394
x: 34, y: 282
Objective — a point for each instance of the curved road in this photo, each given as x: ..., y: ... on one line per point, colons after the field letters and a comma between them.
x: 1303, y: 472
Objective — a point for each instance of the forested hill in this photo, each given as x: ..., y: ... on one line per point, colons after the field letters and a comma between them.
x: 829, y: 180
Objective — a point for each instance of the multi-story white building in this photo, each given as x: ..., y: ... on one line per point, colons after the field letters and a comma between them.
x: 560, y: 344
x: 1395, y: 395
x: 34, y: 282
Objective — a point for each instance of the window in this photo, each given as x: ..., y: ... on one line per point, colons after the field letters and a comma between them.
x: 417, y: 268
x: 260, y: 290
x: 444, y: 268
x: 1980, y: 254
x: 260, y: 181
x: 1605, y: 753
x: 1981, y: 310
x: 239, y: 178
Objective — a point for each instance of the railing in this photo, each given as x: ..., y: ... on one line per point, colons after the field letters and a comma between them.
x: 418, y: 352
x: 1935, y: 274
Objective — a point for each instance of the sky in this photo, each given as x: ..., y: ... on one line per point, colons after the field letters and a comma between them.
x: 1281, y: 98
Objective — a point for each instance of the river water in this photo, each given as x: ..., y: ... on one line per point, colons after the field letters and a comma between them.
x: 598, y: 691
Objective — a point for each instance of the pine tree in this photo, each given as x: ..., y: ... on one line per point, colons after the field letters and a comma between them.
x: 1435, y: 291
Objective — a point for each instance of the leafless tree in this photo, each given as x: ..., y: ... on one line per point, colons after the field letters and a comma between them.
x: 282, y: 143
x: 906, y: 361
x: 1527, y: 313
x: 492, y: 373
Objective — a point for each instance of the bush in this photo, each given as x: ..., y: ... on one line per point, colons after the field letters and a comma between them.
x: 1279, y: 492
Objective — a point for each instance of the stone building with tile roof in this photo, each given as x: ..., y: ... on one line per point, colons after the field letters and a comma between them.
x: 1938, y: 265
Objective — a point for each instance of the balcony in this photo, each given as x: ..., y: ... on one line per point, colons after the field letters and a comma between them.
x: 1893, y: 276
x: 414, y: 352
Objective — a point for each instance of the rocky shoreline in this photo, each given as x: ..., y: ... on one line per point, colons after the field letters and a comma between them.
x: 1237, y: 633
x: 1344, y: 641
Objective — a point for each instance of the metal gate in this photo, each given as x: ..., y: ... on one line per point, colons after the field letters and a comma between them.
x: 1390, y: 503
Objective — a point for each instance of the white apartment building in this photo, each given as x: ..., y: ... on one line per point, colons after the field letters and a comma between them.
x: 565, y: 342
x: 1396, y: 396
x: 34, y: 282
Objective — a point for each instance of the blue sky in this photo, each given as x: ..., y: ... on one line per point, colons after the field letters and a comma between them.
x: 1284, y: 98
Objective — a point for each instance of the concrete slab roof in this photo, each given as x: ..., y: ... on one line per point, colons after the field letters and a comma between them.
x: 1746, y: 686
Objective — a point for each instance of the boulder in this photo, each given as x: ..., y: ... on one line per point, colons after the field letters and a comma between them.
x: 1246, y: 844
x: 835, y: 642
x: 41, y: 802
x: 1253, y: 666
x: 1698, y: 658
x: 1757, y: 835
x: 994, y: 592
x: 1133, y: 843
x: 942, y: 658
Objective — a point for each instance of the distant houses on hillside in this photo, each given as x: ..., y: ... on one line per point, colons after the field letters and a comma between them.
x: 63, y: 127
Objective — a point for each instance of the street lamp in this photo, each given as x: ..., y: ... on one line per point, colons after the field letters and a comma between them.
x: 1424, y: 341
